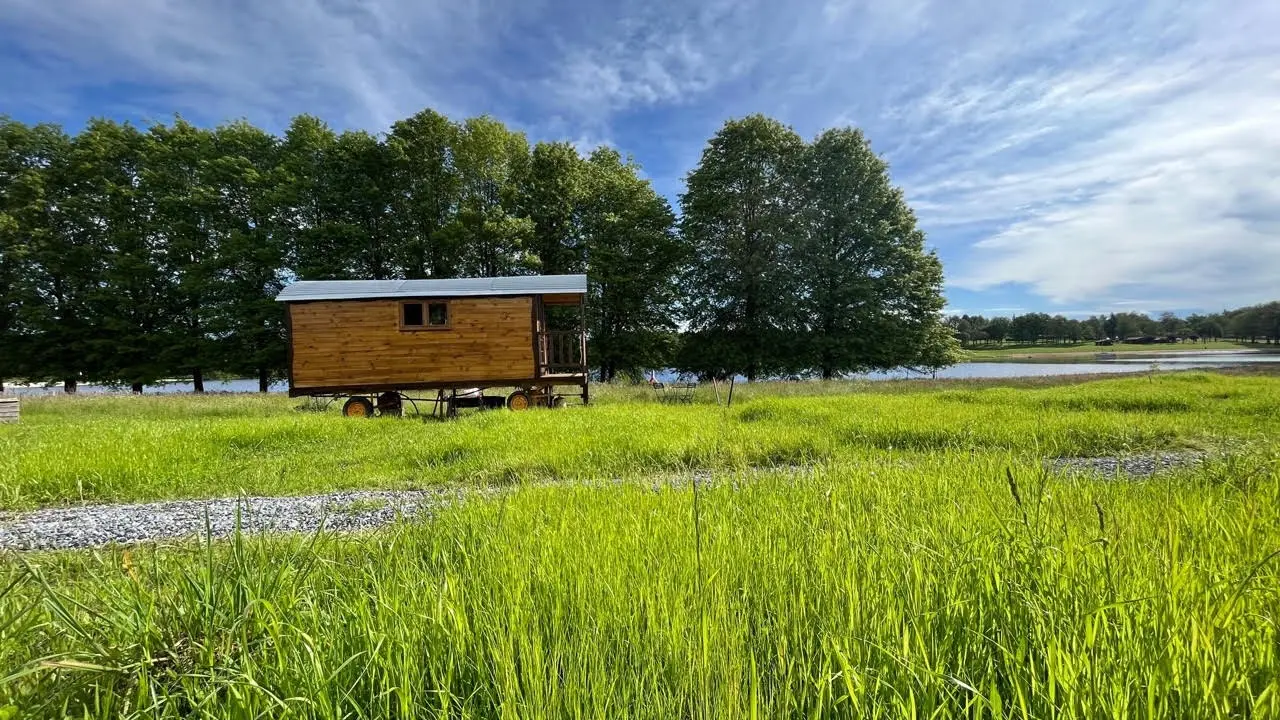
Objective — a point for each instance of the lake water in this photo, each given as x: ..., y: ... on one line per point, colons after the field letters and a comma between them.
x: 962, y: 371
x: 972, y: 370
x: 210, y: 386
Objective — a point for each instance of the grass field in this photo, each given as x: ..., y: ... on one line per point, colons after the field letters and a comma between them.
x: 122, y: 448
x: 1010, y: 351
x: 895, y: 553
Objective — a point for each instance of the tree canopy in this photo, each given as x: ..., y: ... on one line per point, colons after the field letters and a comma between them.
x: 130, y: 255
x: 806, y: 259
x: 1255, y: 323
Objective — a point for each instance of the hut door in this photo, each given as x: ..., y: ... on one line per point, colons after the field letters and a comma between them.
x: 560, y: 338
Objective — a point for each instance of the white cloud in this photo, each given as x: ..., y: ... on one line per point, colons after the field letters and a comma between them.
x: 621, y: 75
x: 363, y: 64
x: 1092, y: 153
x: 630, y: 56
x: 1148, y: 175
x: 879, y: 22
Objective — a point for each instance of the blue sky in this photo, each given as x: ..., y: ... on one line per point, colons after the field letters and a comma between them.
x: 1073, y: 157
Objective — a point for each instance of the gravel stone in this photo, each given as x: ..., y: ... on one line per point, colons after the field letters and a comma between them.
x: 1130, y: 465
x: 86, y: 526
x: 96, y: 525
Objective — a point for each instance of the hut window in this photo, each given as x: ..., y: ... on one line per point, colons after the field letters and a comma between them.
x: 424, y: 315
x: 438, y: 314
x: 411, y: 315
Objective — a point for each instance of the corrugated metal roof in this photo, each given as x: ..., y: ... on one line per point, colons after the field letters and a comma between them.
x: 458, y: 287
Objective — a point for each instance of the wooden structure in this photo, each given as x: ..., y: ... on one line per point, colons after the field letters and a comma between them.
x: 376, y: 340
x: 9, y: 410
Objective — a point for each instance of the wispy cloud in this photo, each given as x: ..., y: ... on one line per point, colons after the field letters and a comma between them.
x: 1143, y: 172
x: 363, y: 62
x: 1069, y: 155
x: 643, y: 72
x: 637, y: 56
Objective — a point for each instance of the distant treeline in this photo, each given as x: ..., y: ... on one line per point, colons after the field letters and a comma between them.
x: 1256, y: 323
x: 131, y: 255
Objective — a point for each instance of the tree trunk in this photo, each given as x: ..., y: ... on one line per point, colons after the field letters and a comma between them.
x: 136, y: 388
x: 69, y: 385
x: 264, y: 380
x: 197, y: 380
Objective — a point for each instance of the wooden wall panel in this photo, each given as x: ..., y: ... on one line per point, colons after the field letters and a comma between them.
x: 355, y: 342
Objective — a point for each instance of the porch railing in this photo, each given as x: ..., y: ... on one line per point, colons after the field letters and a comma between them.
x: 562, y: 352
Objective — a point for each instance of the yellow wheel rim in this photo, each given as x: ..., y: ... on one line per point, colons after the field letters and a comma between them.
x: 519, y: 401
x: 355, y: 410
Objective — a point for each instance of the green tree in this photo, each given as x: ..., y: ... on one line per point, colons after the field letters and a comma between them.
x: 962, y: 328
x: 1199, y: 325
x: 1030, y: 327
x: 634, y: 254
x: 93, y: 311
x: 249, y: 219
x: 998, y: 329
x: 937, y: 349
x: 1096, y: 327
x: 1059, y: 328
x: 1111, y: 326
x: 178, y: 205
x: 1271, y: 321
x: 426, y: 191
x: 1212, y: 326
x: 489, y: 236
x: 357, y: 184
x: 739, y: 218
x: 1133, y: 325
x: 868, y: 293
x: 314, y: 244
x: 1255, y: 322
x: 134, y: 300
x: 1245, y: 324
x: 552, y: 193
x: 27, y: 158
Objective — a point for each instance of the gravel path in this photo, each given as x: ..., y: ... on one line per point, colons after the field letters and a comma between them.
x: 86, y: 526
x: 94, y: 525
x: 1131, y: 465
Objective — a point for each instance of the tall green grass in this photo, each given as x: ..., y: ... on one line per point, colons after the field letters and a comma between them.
x: 941, y: 586
x: 83, y: 449
x: 906, y: 556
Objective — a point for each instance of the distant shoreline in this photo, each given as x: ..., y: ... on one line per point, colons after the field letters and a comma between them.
x: 996, y: 355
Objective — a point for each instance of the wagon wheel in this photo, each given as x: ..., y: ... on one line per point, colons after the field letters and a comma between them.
x: 358, y: 407
x: 519, y: 400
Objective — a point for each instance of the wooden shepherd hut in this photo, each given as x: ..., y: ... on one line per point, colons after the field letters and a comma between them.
x: 376, y: 341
